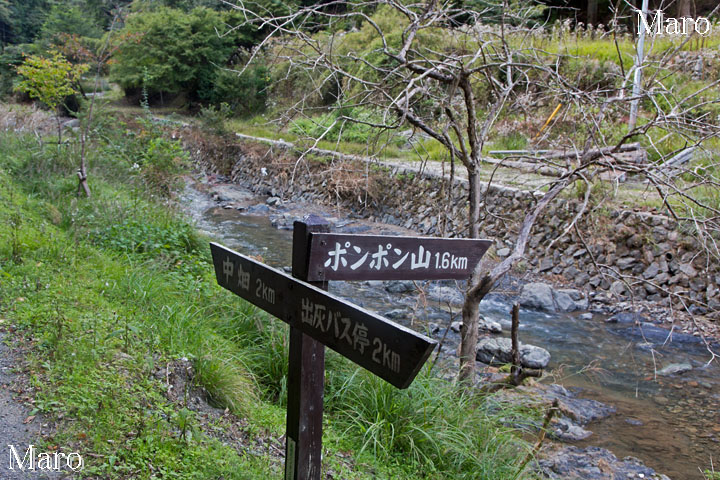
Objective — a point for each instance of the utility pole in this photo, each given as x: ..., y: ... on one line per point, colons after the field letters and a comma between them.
x: 639, y: 58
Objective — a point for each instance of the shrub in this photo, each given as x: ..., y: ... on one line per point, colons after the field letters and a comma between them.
x: 163, y: 164
x: 245, y: 93
x: 214, y: 118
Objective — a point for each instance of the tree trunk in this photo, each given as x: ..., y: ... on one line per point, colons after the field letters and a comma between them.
x: 59, y: 127
x: 82, y: 171
x: 474, y: 207
x: 685, y: 8
x: 481, y: 283
x: 469, y: 340
x: 471, y: 305
x: 82, y: 182
x: 592, y: 12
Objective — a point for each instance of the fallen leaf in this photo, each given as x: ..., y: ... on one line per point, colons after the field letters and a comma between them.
x: 29, y: 419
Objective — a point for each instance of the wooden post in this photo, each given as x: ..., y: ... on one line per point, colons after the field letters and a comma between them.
x: 516, y: 368
x: 306, y: 374
x: 639, y: 59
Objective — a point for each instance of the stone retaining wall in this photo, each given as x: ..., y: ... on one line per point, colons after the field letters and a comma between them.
x: 647, y: 250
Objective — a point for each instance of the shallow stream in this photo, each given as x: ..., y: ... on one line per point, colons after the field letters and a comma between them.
x: 671, y: 423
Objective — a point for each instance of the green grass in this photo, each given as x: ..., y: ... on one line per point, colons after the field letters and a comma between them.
x: 107, y: 291
x: 362, y: 142
x: 427, y: 424
x: 100, y: 322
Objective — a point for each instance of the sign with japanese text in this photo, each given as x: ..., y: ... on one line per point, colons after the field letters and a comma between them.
x: 336, y: 256
x: 388, y: 350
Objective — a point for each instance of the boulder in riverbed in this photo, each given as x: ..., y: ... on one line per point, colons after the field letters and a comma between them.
x: 400, y: 286
x: 675, y: 369
x: 593, y: 463
x: 541, y: 296
x: 449, y: 295
x: 498, y: 351
x: 487, y: 325
x: 537, y: 296
x: 565, y: 429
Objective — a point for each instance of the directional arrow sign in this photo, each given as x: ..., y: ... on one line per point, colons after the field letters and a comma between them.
x: 390, y: 351
x: 337, y: 256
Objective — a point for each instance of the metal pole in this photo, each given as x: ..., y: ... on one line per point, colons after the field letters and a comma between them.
x: 306, y: 374
x: 638, y: 67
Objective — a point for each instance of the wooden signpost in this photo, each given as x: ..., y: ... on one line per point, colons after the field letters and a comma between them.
x: 337, y: 256
x: 318, y: 319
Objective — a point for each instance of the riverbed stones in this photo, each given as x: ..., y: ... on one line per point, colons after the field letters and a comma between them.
x: 626, y: 317
x: 488, y: 325
x: 396, y: 314
x: 541, y: 296
x: 688, y: 270
x: 498, y: 351
x: 258, y: 209
x: 546, y: 264
x: 566, y: 430
x: 625, y: 263
x: 563, y: 302
x: 675, y: 369
x: 652, y: 271
x: 537, y: 296
x: 578, y: 300
x: 401, y: 286
x: 593, y: 463
x: 445, y: 294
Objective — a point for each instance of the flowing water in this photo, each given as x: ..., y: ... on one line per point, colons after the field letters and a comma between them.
x: 671, y: 423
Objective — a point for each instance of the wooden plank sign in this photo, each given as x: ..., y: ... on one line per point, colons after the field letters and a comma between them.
x: 388, y: 350
x: 337, y: 256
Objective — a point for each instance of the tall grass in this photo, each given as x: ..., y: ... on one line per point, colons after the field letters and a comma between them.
x: 434, y: 425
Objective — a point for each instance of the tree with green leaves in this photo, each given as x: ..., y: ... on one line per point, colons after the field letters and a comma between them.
x: 50, y: 80
x: 175, y: 52
x: 5, y: 22
x: 26, y: 19
x: 188, y: 54
x: 69, y: 20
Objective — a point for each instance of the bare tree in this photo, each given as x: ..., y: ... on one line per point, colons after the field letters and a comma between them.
x: 452, y: 74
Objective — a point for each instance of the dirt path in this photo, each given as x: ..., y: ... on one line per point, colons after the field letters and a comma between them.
x: 13, y: 415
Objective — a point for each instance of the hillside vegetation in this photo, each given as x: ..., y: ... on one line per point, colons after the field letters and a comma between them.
x: 111, y: 298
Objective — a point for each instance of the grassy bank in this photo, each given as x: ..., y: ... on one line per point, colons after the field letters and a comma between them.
x: 107, y: 293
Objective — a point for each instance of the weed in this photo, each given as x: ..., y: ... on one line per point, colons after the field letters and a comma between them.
x: 15, y: 224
